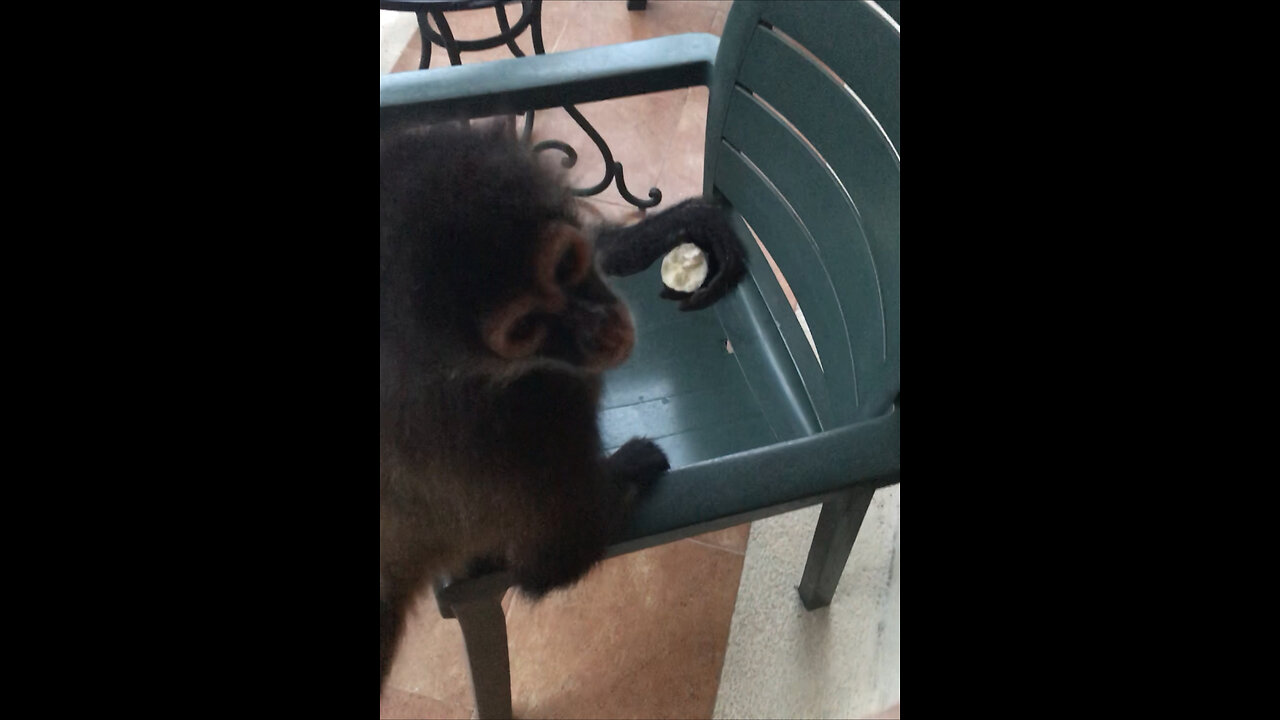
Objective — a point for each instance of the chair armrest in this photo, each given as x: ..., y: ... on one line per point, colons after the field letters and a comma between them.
x: 764, y: 482
x: 544, y: 81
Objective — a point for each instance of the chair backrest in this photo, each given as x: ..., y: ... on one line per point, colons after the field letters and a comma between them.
x: 803, y: 139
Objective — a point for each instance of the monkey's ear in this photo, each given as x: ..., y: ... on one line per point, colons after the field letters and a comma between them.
x: 563, y: 260
x: 514, y: 330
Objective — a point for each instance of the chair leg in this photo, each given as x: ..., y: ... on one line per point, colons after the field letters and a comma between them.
x: 477, y: 605
x: 832, y: 542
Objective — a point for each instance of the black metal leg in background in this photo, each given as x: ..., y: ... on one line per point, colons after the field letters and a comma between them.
x: 424, y: 58
x: 450, y: 44
x: 442, y: 35
x: 477, y: 606
x: 832, y: 542
x: 636, y: 4
x: 612, y: 169
x: 536, y: 23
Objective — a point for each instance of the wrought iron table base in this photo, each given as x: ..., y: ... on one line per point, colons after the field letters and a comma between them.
x: 530, y: 18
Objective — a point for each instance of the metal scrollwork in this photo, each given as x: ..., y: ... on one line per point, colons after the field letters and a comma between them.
x: 530, y: 18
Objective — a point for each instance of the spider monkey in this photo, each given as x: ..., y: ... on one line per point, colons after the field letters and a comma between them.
x: 494, y: 325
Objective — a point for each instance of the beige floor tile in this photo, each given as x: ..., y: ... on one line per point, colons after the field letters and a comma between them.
x: 400, y: 705
x: 681, y: 174
x: 594, y: 211
x: 733, y: 539
x: 642, y: 636
x: 717, y: 24
x: 431, y: 659
x: 591, y: 24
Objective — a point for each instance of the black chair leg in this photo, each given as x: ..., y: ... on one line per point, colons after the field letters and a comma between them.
x: 477, y: 605
x: 832, y: 542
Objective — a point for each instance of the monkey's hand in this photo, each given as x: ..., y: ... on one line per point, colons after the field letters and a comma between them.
x: 637, y: 464
x: 629, y: 250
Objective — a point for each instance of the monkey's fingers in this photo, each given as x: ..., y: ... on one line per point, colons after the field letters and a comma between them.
x: 704, y: 297
x: 725, y: 280
x: 639, y: 462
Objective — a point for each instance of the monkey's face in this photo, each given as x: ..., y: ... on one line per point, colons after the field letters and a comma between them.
x: 570, y: 314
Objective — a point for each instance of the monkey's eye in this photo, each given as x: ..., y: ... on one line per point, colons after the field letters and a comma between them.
x: 515, y: 330
x: 524, y: 329
x: 564, y: 258
x: 567, y: 269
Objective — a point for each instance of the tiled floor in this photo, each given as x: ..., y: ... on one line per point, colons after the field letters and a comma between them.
x: 644, y: 635
x: 842, y: 661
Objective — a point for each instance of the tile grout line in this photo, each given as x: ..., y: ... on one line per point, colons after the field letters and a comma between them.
x: 555, y: 46
x: 433, y: 698
x: 408, y: 44
x: 666, y: 151
x: 717, y: 547
x: 395, y: 29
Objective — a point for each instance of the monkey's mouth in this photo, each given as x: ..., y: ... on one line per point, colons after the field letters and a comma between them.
x: 589, y: 336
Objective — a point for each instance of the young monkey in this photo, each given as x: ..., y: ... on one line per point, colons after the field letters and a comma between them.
x: 494, y: 325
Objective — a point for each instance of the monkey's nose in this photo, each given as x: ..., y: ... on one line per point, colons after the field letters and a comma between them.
x: 617, y: 339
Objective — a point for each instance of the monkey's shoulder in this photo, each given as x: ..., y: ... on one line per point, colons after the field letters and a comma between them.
x: 546, y: 389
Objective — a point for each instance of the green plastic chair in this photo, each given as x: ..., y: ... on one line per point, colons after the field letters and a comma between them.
x: 802, y: 144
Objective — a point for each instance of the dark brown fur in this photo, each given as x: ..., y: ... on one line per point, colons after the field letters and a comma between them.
x: 494, y: 325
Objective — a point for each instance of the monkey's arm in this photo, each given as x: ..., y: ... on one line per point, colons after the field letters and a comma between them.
x: 390, y: 619
x: 629, y: 250
x: 571, y: 500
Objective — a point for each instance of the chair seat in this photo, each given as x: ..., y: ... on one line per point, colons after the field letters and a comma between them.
x: 681, y: 387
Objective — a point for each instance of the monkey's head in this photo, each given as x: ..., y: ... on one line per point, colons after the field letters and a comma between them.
x: 567, y: 312
x: 481, y: 249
